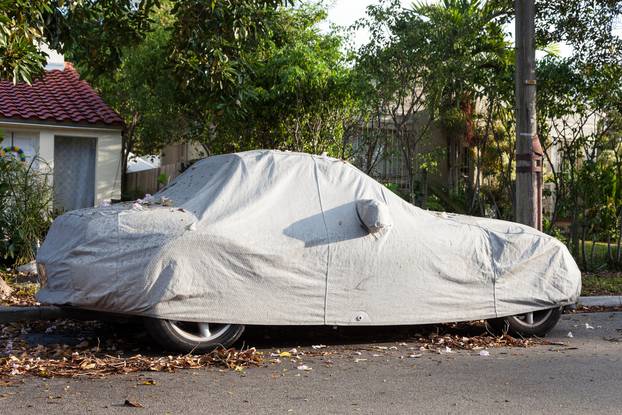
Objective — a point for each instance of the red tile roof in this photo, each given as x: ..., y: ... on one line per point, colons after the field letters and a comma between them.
x: 58, y: 97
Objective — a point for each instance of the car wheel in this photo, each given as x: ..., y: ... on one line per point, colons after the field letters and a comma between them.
x: 536, y: 323
x: 187, y: 337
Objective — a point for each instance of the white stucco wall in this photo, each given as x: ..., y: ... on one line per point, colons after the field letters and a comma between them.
x: 108, y: 157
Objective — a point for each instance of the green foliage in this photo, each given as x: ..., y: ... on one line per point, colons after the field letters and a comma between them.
x: 20, y: 26
x: 89, y: 31
x: 302, y: 94
x: 212, y: 46
x: 586, y: 25
x: 162, y: 179
x: 470, y: 51
x: 428, y: 67
x: 144, y: 91
x: 25, y: 209
x: 395, y: 70
x: 601, y: 283
x: 292, y: 87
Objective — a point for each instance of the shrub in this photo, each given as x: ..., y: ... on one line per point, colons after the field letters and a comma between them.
x: 25, y: 209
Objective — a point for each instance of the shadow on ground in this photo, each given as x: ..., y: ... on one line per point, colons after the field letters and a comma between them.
x: 130, y: 336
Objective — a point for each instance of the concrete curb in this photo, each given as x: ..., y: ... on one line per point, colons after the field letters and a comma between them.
x: 15, y: 313
x: 601, y: 301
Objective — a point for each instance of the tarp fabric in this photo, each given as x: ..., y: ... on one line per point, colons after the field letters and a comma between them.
x: 267, y: 237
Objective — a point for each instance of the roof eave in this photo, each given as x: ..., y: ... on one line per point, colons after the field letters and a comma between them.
x: 59, y: 124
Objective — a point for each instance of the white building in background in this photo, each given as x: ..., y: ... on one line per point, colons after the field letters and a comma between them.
x: 61, y: 120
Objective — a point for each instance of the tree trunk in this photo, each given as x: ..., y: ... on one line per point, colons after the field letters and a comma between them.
x: 528, y: 185
x: 127, y: 148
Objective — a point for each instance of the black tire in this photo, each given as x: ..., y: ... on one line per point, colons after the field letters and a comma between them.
x: 543, y: 321
x: 178, y: 336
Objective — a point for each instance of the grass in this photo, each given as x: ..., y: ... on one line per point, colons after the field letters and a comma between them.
x: 597, y: 258
x: 602, y: 283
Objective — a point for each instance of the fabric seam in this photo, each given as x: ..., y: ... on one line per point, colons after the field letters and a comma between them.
x: 319, y: 195
x: 495, y: 271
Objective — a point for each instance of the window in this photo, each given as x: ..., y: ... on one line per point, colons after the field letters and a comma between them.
x: 28, y: 142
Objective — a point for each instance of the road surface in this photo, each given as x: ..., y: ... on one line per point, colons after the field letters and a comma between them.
x: 370, y: 375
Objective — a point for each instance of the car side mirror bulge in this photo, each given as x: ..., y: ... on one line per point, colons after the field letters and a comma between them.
x: 374, y: 215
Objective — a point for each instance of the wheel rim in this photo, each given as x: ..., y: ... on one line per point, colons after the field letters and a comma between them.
x: 533, y: 319
x: 199, y: 332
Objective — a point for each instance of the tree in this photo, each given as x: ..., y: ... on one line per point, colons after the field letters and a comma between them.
x: 587, y: 26
x: 144, y: 91
x: 211, y: 46
x: 431, y: 66
x: 297, y: 90
x: 577, y: 124
x: 474, y: 58
x: 302, y: 93
x: 91, y: 32
x: 396, y: 66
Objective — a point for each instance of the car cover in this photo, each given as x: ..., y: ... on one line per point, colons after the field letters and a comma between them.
x: 268, y: 237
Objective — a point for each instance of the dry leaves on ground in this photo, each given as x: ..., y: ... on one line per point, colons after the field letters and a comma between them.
x: 23, y: 288
x: 596, y: 309
x: 45, y: 362
x: 98, y: 350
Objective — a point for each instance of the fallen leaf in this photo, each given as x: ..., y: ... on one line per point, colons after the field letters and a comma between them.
x: 132, y: 404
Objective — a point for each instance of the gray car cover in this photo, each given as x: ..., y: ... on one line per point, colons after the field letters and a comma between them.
x: 268, y: 237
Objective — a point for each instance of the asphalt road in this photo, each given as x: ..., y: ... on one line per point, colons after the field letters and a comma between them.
x: 583, y: 376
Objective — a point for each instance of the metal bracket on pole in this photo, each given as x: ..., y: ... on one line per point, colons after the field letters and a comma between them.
x: 535, y: 156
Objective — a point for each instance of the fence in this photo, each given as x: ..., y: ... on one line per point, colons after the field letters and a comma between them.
x: 150, y: 181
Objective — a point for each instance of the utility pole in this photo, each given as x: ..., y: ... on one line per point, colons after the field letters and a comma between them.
x: 528, y: 150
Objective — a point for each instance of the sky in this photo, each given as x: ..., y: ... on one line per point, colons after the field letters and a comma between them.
x: 346, y: 12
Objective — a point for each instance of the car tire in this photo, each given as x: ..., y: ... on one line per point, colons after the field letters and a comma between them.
x: 537, y: 323
x: 192, y: 337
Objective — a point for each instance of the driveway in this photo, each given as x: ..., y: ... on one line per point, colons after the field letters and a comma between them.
x: 373, y: 373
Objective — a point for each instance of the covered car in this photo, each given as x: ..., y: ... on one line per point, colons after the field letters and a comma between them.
x: 281, y: 238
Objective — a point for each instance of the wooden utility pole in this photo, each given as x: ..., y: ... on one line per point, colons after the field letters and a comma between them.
x: 528, y: 150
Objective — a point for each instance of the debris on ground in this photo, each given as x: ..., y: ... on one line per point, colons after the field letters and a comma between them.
x: 596, y: 309
x: 98, y: 349
x: 21, y: 288
x: 5, y: 290
x: 62, y: 361
x: 69, y: 348
x: 133, y: 404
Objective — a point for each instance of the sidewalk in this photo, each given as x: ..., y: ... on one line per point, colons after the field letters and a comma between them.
x: 602, y: 301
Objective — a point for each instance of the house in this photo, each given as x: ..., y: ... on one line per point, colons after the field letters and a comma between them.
x: 63, y: 125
